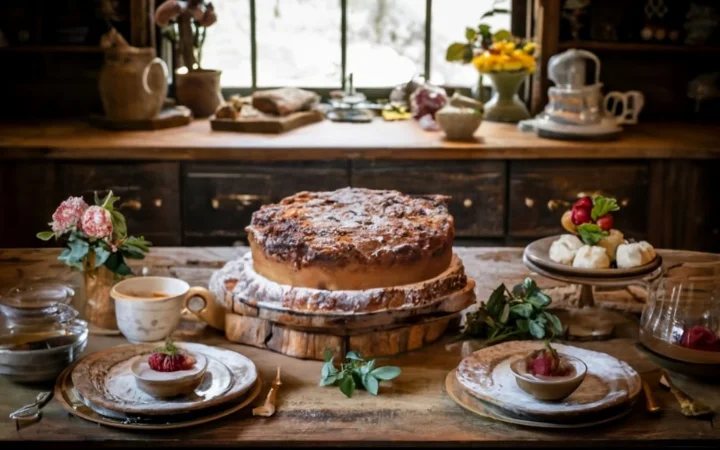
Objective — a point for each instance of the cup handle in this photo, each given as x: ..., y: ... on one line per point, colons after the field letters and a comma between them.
x: 211, y: 313
x: 146, y: 72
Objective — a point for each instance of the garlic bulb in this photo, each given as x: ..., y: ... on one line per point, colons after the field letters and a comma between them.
x: 591, y: 257
x: 563, y: 250
x: 634, y: 255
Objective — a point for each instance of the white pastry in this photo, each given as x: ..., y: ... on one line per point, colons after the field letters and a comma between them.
x: 591, y: 257
x: 634, y: 255
x: 611, y: 242
x: 563, y: 250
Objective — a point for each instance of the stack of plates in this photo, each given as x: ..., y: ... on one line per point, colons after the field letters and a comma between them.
x: 101, y: 388
x: 484, y: 384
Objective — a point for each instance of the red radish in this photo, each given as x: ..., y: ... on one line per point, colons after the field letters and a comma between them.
x: 584, y: 203
x: 605, y: 222
x: 580, y: 216
x: 701, y: 338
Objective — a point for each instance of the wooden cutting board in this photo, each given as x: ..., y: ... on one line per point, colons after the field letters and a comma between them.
x: 267, y: 124
x: 177, y: 116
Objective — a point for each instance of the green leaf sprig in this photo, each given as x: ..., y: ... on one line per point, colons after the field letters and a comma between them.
x: 603, y: 205
x: 520, y: 314
x: 355, y: 372
x: 591, y: 234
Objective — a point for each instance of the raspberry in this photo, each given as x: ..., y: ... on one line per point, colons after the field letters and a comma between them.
x: 170, y: 359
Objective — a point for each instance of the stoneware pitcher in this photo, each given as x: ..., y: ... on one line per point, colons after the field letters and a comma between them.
x: 133, y: 84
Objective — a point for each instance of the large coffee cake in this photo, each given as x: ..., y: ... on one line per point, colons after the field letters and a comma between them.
x: 352, y: 239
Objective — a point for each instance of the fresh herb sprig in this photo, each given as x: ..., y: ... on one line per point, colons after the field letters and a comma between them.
x: 355, y: 372
x: 520, y: 313
x: 591, y: 234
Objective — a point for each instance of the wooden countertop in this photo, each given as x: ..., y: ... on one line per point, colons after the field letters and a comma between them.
x: 414, y: 409
x: 328, y: 140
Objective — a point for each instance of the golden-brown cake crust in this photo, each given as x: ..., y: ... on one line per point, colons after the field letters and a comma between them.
x: 352, y: 238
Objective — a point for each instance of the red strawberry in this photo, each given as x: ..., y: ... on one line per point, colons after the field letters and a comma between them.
x: 170, y: 359
x: 701, y: 338
x: 580, y: 216
x: 540, y: 366
x: 584, y: 203
x: 605, y: 222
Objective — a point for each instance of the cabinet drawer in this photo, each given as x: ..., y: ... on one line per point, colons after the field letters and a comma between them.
x: 220, y: 199
x: 29, y: 198
x: 149, y: 194
x: 477, y: 188
x: 540, y: 192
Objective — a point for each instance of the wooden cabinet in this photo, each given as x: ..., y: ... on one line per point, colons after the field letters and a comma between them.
x: 28, y: 197
x: 149, y: 194
x: 540, y: 191
x: 219, y: 199
x: 477, y: 189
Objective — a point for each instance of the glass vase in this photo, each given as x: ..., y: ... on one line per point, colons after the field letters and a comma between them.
x: 99, y: 306
x: 505, y: 104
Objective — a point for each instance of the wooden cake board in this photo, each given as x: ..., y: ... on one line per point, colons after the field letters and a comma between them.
x: 307, y: 335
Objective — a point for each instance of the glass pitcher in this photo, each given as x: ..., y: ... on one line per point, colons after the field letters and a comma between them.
x: 682, y: 318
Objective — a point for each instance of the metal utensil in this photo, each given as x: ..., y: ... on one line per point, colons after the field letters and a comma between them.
x: 688, y: 406
x: 31, y: 411
x: 268, y: 409
x: 650, y: 402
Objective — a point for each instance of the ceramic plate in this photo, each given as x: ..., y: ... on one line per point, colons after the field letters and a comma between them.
x: 609, y: 382
x: 105, y: 379
x: 456, y: 392
x: 538, y: 252
x: 581, y: 279
x: 75, y: 404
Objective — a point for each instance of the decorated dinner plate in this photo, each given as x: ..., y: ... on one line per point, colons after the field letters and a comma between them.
x: 609, y: 382
x: 538, y: 252
x: 105, y: 379
x: 77, y: 405
x: 462, y: 397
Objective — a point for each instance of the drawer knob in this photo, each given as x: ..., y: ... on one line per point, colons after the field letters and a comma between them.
x: 467, y: 203
x: 242, y: 199
x: 554, y: 205
x: 131, y: 204
x: 157, y: 202
x: 529, y: 202
x: 624, y: 202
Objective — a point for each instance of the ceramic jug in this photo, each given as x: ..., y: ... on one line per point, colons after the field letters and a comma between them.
x: 133, y: 84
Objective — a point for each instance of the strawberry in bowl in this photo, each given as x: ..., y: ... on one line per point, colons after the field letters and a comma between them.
x: 548, y: 375
x: 169, y: 371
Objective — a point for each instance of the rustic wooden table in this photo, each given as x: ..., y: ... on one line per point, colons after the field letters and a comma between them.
x: 414, y: 409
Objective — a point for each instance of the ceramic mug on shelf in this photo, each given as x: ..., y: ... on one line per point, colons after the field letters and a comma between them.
x: 148, y: 309
x: 624, y: 106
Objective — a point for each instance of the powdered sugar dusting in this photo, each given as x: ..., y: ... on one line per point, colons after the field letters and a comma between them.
x: 254, y: 289
x: 487, y: 375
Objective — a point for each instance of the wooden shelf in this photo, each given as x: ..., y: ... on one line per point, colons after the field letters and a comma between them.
x: 52, y: 49
x: 637, y: 47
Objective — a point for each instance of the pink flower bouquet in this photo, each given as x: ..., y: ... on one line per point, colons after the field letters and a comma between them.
x: 98, y: 231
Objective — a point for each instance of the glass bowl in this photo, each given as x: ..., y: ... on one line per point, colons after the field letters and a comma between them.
x: 681, y: 321
x: 35, y: 299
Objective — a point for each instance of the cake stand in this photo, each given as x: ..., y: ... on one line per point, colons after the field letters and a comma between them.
x: 588, y: 322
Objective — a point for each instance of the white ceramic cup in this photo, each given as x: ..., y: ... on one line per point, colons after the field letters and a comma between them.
x: 148, y: 308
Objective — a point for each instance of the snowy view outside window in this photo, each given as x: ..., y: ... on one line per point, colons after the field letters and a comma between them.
x: 299, y: 41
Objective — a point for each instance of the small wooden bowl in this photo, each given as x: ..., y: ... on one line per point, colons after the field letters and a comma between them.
x: 549, y: 388
x: 168, y: 384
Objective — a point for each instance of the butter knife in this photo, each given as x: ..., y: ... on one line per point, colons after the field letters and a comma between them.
x: 688, y: 406
x: 650, y: 402
x: 31, y: 411
x: 268, y: 409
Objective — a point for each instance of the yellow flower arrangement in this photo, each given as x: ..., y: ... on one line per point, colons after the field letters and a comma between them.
x: 504, y: 56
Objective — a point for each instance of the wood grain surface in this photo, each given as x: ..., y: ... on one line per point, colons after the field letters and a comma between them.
x: 328, y: 140
x: 413, y: 409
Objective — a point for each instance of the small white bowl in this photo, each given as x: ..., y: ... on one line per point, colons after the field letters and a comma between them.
x: 549, y: 388
x: 168, y: 384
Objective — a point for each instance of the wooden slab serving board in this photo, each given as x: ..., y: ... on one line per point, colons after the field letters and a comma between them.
x: 370, y: 343
x: 267, y: 124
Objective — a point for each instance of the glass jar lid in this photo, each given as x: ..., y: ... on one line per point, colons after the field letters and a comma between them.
x: 37, y: 296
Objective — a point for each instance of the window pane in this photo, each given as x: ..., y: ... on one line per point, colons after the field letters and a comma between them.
x: 227, y: 45
x: 298, y: 43
x: 385, y: 41
x: 449, y: 20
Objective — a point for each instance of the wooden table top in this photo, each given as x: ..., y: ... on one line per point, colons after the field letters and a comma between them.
x: 414, y: 409
x: 329, y: 140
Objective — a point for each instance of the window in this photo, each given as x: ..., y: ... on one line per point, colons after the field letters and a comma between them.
x: 317, y: 43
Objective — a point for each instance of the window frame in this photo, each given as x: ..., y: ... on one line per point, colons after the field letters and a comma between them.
x: 520, y: 16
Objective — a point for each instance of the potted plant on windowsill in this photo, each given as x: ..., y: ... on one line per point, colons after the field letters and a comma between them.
x: 185, y: 24
x: 507, y: 60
